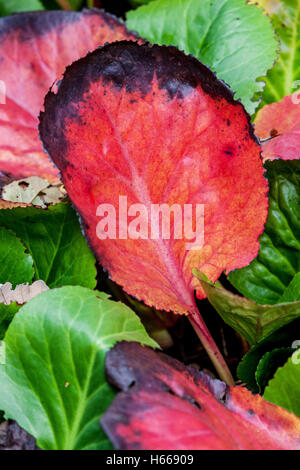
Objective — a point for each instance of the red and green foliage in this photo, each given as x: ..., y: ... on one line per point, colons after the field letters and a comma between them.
x: 161, y: 127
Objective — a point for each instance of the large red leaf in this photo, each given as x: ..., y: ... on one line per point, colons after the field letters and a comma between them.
x: 165, y: 405
x: 157, y: 126
x: 35, y: 48
x: 281, y: 123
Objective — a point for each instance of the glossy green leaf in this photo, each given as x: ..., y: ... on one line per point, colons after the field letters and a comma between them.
x: 292, y: 292
x: 235, y: 39
x: 282, y: 78
x: 284, y: 388
x: 269, y: 364
x: 14, y: 6
x: 252, y: 320
x: 278, y: 260
x: 50, y: 4
x: 75, y: 4
x: 137, y: 3
x: 15, y: 264
x: 53, y: 237
x: 53, y: 381
x: 282, y: 338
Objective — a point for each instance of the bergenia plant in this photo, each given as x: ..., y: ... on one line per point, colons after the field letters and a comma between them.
x: 150, y: 182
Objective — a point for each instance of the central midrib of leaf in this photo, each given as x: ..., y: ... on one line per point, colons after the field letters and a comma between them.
x: 73, y: 434
x: 176, y: 279
x: 74, y: 430
x: 209, y: 26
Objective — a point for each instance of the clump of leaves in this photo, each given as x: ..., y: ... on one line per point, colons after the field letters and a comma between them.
x: 186, y: 106
x: 278, y: 260
x: 261, y: 362
x: 53, y: 380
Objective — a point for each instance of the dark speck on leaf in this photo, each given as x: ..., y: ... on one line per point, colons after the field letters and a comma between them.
x: 23, y: 184
x: 273, y: 132
x: 229, y: 150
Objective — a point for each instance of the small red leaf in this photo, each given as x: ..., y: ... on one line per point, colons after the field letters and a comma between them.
x: 167, y: 406
x: 156, y: 126
x: 281, y: 123
x: 35, y: 48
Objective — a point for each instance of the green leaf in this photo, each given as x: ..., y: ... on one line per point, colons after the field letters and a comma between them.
x: 7, y: 313
x: 282, y: 338
x: 137, y: 3
x: 13, y: 6
x: 251, y: 320
x: 281, y: 79
x: 15, y: 265
x: 269, y: 364
x: 284, y: 389
x: 53, y: 382
x: 235, y: 39
x: 278, y: 260
x: 75, y: 4
x: 50, y: 4
x: 53, y: 237
x: 292, y: 292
